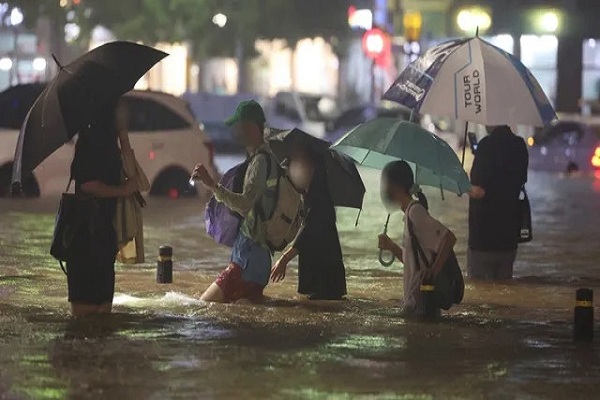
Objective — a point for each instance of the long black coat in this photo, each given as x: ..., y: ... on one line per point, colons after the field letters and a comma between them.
x: 321, y: 269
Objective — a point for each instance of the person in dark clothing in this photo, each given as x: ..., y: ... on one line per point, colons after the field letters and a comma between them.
x: 498, y: 173
x: 321, y: 272
x: 96, y: 170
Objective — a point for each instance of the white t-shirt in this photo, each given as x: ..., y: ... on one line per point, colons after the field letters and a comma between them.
x: 429, y: 233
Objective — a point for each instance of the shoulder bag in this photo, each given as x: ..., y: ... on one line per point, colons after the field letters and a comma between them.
x: 449, y: 282
x: 74, y: 215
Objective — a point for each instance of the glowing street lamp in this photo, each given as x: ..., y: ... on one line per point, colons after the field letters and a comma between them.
x: 549, y: 22
x: 471, y: 19
x: 5, y: 64
x: 220, y: 20
x: 39, y: 64
x: 16, y: 17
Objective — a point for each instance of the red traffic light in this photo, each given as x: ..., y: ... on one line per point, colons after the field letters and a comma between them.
x: 376, y: 43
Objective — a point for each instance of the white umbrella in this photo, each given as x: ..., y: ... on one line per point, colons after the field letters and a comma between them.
x: 475, y: 81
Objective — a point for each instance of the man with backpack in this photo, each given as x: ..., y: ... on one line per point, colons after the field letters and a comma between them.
x: 263, y: 199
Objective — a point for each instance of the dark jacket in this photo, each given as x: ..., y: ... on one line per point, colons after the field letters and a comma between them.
x: 500, y: 168
x: 320, y: 265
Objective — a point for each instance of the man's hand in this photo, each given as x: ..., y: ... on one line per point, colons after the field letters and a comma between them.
x: 201, y: 174
x: 477, y: 192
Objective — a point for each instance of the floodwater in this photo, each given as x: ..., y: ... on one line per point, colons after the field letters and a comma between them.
x: 507, y: 341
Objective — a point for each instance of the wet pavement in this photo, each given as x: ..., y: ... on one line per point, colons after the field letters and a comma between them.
x: 507, y: 341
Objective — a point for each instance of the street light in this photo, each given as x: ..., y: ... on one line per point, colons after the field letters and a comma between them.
x: 549, y: 21
x: 220, y: 20
x: 39, y: 64
x: 471, y: 19
x: 5, y: 64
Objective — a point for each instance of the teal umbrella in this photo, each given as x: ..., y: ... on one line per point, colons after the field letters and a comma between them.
x: 382, y: 140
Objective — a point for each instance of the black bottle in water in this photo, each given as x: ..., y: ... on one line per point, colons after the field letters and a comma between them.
x: 164, y: 266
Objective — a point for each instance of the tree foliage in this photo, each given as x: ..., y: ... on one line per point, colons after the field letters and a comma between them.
x: 152, y: 21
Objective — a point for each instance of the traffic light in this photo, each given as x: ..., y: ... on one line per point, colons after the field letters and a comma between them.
x: 377, y: 45
x: 413, y: 22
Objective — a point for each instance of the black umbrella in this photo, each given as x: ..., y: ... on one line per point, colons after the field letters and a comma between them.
x: 15, y: 103
x: 345, y: 184
x: 64, y: 106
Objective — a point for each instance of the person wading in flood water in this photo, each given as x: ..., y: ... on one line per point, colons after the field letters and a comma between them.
x: 499, y: 172
x: 321, y: 273
x: 250, y: 265
x: 96, y: 170
x: 437, y: 241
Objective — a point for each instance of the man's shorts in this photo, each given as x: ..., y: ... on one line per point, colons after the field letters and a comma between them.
x: 235, y: 288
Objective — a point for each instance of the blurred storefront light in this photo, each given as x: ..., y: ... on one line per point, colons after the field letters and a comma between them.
x: 360, y: 18
x: 39, y: 64
x: 16, y: 17
x: 72, y: 32
x: 548, y: 21
x: 471, y: 19
x: 5, y: 64
x: 504, y: 41
x: 220, y: 20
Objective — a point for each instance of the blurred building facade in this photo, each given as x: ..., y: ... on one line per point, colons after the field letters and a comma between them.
x: 559, y: 41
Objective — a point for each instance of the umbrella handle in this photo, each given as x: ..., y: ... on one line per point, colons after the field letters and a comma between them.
x: 382, y: 260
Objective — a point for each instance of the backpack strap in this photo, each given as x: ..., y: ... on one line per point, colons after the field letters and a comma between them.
x: 417, y: 249
x: 272, y: 183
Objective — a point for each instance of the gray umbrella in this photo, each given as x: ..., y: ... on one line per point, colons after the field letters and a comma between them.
x: 345, y: 184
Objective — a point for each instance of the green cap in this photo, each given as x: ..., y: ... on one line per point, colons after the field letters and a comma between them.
x: 248, y: 110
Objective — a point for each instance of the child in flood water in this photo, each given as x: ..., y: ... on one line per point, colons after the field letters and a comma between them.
x: 437, y: 241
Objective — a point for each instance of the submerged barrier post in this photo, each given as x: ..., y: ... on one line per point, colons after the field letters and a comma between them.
x: 583, y: 322
x: 164, y: 266
x: 432, y: 311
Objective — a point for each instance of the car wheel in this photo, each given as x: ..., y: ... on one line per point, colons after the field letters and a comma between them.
x: 173, y: 183
x: 29, y: 186
x: 572, y: 168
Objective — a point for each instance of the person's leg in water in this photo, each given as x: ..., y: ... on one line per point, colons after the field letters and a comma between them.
x: 505, y: 265
x: 214, y: 294
x: 82, y: 309
x: 480, y: 265
x: 230, y: 287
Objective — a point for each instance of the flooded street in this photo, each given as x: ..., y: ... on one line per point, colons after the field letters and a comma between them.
x: 506, y: 341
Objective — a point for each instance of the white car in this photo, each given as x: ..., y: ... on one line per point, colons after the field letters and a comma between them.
x: 166, y: 138
x: 568, y: 145
x: 308, y: 112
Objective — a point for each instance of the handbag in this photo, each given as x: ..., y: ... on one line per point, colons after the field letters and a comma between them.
x: 74, y: 215
x: 449, y: 282
x: 525, y: 226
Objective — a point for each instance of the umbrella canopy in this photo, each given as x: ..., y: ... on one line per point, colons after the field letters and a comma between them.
x: 345, y: 184
x: 65, y: 105
x: 383, y: 140
x: 472, y: 80
x: 15, y: 103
